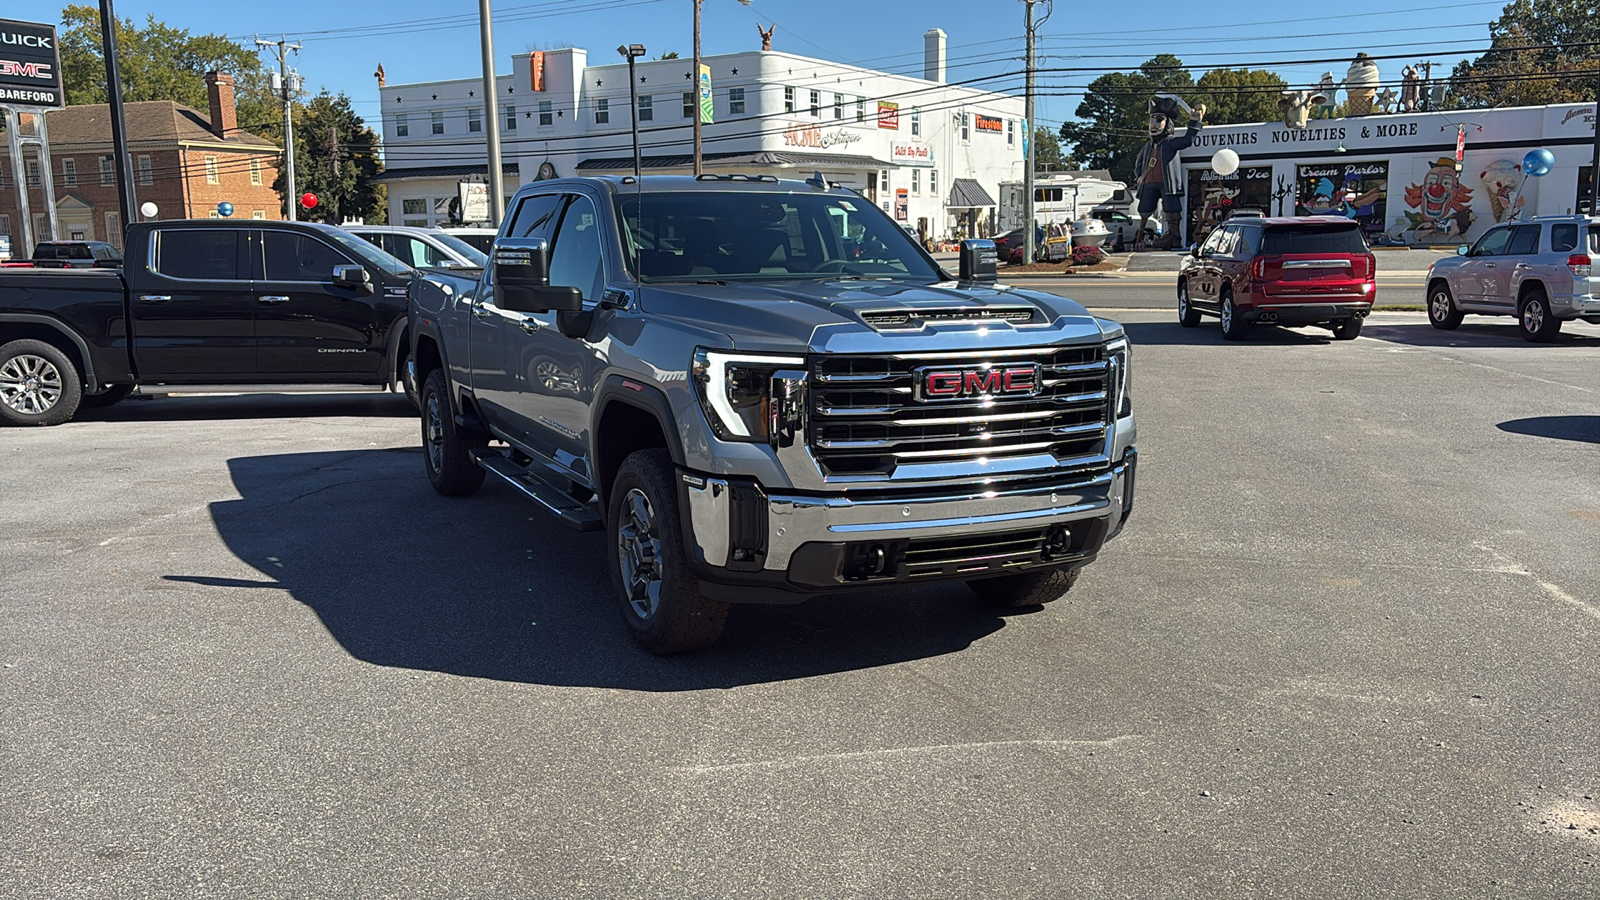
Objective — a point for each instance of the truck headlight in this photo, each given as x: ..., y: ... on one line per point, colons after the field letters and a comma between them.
x: 751, y: 397
x: 1119, y: 377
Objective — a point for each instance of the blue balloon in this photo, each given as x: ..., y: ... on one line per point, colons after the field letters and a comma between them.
x: 224, y: 209
x: 1538, y: 163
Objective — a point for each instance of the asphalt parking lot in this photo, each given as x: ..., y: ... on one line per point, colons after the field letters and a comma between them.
x: 1346, y: 648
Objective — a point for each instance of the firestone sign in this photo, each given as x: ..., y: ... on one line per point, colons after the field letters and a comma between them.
x: 30, y: 65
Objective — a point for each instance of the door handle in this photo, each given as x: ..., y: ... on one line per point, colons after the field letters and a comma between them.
x: 1490, y: 266
x: 276, y: 298
x: 531, y: 326
x: 155, y: 298
x: 481, y: 311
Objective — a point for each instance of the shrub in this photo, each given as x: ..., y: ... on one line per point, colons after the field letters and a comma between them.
x: 1087, y: 256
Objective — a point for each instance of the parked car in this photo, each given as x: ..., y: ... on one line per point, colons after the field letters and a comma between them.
x: 1307, y: 270
x: 755, y: 415
x: 480, y: 238
x: 421, y: 247
x: 199, y: 304
x: 76, y: 255
x: 1541, y: 271
x: 1122, y: 228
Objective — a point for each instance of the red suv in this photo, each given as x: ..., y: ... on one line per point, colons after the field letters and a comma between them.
x: 1306, y: 270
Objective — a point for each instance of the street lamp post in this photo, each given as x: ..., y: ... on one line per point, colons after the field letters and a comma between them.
x: 697, y: 165
x: 631, y: 52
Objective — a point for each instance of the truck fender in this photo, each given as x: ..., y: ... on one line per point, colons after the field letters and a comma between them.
x: 90, y: 382
x: 398, y: 329
x: 619, y: 389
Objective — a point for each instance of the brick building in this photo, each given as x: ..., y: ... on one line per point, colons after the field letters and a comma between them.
x: 184, y: 161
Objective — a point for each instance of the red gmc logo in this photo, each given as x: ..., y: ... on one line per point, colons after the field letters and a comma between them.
x: 1014, y: 380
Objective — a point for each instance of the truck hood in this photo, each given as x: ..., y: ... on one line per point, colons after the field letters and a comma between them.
x: 873, y: 316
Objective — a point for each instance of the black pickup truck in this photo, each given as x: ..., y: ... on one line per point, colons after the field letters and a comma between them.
x: 203, y: 304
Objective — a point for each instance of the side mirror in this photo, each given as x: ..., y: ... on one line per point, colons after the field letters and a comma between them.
x: 980, y: 261
x: 522, y: 279
x: 356, y: 278
x: 1195, y: 251
x: 1463, y: 250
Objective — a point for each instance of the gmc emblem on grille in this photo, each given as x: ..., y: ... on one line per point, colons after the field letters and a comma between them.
x: 935, y: 383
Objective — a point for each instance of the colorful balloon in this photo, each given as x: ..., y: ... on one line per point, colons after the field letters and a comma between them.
x: 1225, y: 162
x: 1538, y: 163
x: 308, y: 200
x: 224, y: 209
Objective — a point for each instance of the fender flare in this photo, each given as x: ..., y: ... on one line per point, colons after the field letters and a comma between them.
x: 400, y: 326
x: 89, y: 379
x: 615, y: 389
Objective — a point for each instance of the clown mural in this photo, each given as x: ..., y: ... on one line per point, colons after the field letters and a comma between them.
x: 1443, y: 204
x: 1157, y: 173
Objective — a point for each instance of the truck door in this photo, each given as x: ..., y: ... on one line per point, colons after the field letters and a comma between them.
x: 553, y: 371
x: 309, y: 329
x: 495, y: 332
x: 193, y: 310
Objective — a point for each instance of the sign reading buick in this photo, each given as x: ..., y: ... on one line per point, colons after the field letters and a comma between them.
x: 30, y: 65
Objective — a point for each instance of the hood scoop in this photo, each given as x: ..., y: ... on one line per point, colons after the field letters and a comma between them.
x: 913, y: 319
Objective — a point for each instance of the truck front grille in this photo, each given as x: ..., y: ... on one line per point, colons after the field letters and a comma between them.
x: 866, y: 417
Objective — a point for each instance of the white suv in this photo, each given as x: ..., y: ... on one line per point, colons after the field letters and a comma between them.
x: 1539, y: 271
x: 418, y: 247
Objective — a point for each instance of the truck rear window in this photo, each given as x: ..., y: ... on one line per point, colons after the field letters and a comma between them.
x: 1337, y: 238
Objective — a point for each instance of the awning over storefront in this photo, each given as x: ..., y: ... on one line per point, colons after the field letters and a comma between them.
x: 753, y: 158
x: 401, y: 174
x: 966, y: 193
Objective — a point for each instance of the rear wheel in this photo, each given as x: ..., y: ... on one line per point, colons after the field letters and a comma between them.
x: 1234, y: 327
x: 1442, y: 311
x: 659, y: 597
x: 1538, y: 324
x: 1347, y: 329
x: 1188, y: 316
x: 446, y: 450
x: 1030, y: 589
x: 38, y: 384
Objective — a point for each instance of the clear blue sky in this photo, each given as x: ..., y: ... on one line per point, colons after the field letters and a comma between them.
x: 416, y: 40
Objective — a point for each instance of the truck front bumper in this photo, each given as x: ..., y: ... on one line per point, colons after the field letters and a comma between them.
x: 741, y: 537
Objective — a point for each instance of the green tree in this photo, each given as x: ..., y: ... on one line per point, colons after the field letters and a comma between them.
x: 336, y: 157
x: 1047, y: 155
x: 1232, y: 96
x: 1115, y: 114
x: 159, y: 62
x: 1562, y: 70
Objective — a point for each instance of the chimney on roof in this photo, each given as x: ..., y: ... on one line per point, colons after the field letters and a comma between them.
x: 933, y: 56
x: 224, y: 114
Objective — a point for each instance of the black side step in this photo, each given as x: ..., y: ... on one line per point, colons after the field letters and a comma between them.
x: 573, y: 514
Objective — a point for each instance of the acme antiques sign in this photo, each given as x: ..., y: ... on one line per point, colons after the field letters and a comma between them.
x: 800, y: 135
x: 30, y: 65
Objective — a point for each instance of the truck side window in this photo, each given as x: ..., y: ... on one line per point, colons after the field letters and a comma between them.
x: 1493, y: 243
x: 575, y: 261
x: 1524, y: 239
x: 298, y: 257
x: 203, y: 254
x: 1563, y: 238
x: 535, y: 216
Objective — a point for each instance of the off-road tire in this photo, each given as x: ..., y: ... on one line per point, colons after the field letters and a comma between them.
x: 56, y: 392
x: 1028, y: 589
x: 446, y: 449
x: 1443, y: 313
x: 1536, y: 322
x: 1347, y: 329
x: 682, y: 619
x: 1188, y: 316
x: 111, y: 396
x: 1234, y: 327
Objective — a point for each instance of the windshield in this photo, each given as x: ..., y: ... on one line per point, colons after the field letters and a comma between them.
x: 366, y: 251
x: 757, y: 236
x: 477, y: 257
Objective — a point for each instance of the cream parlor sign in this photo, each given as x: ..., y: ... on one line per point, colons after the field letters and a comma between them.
x: 801, y: 135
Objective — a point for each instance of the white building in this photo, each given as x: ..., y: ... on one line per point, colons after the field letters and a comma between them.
x: 1399, y: 174
x: 929, y: 153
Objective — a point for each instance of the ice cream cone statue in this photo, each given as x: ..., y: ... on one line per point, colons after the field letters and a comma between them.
x: 1361, y: 82
x: 1502, y: 182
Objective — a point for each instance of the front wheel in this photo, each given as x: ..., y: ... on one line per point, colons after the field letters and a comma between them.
x: 1234, y: 327
x: 1347, y: 329
x: 1188, y: 316
x: 1442, y: 311
x: 659, y: 597
x: 38, y: 384
x: 1030, y: 589
x: 1538, y: 324
x: 446, y: 450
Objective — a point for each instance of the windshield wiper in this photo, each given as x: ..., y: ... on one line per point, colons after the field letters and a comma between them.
x: 709, y: 281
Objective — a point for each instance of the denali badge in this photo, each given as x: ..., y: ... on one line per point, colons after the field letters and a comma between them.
x: 935, y: 383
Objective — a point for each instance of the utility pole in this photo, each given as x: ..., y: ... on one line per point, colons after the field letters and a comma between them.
x: 1594, y: 172
x: 126, y: 202
x: 287, y: 86
x: 491, y: 111
x: 1426, y: 100
x: 1029, y: 132
x: 698, y: 168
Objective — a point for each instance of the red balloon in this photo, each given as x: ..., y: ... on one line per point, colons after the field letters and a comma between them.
x: 308, y: 200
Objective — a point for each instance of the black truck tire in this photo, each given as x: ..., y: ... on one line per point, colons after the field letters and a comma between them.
x: 38, y: 384
x: 1347, y: 329
x: 1028, y: 589
x: 658, y: 595
x: 1443, y: 313
x: 111, y: 396
x: 446, y: 450
x: 1539, y: 324
x: 1188, y: 316
x: 1234, y: 326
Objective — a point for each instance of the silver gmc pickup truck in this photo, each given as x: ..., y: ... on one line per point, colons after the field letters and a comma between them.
x: 764, y: 390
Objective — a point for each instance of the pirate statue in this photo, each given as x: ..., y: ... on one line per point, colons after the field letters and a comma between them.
x: 1157, y: 173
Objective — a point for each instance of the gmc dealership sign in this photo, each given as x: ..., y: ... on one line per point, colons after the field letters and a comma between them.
x: 30, y: 65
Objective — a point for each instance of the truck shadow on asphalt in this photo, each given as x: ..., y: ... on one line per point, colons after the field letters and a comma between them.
x: 201, y: 408
x: 1489, y: 333
x: 1208, y: 332
x: 1584, y: 429
x: 491, y: 587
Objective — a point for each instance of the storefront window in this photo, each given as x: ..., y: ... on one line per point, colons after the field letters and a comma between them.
x: 1355, y: 190
x: 1212, y: 197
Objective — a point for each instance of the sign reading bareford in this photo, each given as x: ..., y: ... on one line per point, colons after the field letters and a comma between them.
x: 30, y: 65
